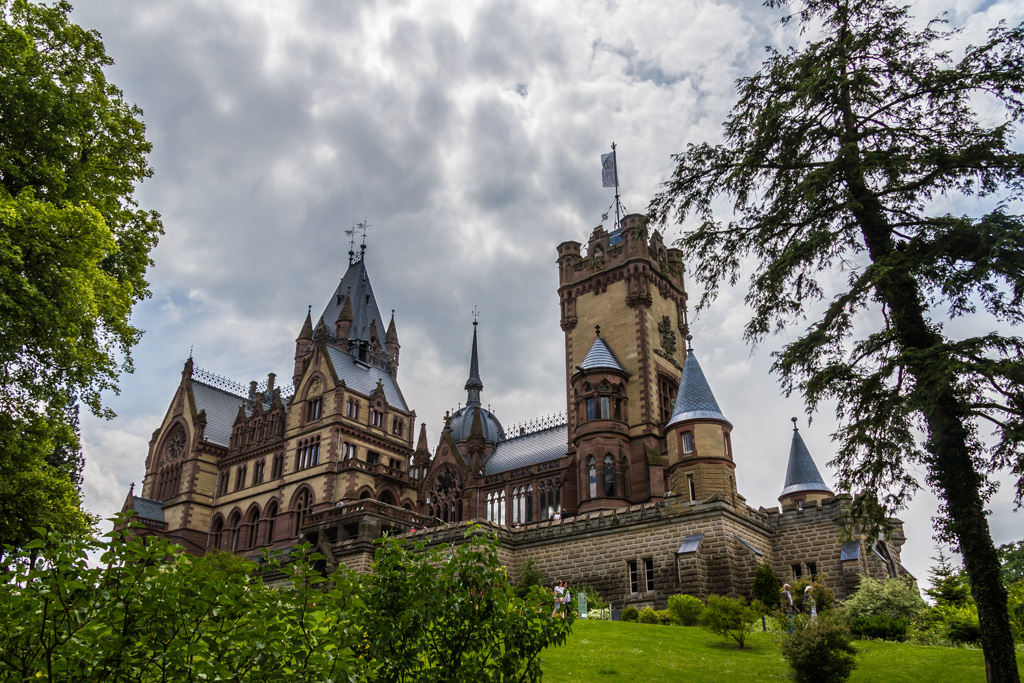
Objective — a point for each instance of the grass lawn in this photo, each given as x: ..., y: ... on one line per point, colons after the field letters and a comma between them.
x: 599, y: 651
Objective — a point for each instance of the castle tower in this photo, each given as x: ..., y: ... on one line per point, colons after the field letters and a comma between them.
x: 697, y: 438
x: 632, y: 287
x: 804, y: 484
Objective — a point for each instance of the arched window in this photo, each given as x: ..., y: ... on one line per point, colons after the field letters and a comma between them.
x: 303, y: 503
x: 216, y: 532
x: 445, y: 495
x: 234, y: 522
x: 543, y: 489
x: 528, y: 516
x: 592, y: 475
x: 252, y: 523
x: 609, y: 475
x: 387, y: 498
x: 270, y: 516
x: 501, y: 507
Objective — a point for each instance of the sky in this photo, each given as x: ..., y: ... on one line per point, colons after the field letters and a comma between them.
x: 468, y: 136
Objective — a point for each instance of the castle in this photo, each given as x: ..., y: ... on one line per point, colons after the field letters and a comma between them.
x: 633, y: 493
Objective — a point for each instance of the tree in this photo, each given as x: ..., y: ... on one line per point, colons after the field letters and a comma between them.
x: 949, y: 586
x: 840, y: 160
x: 730, y: 618
x: 1011, y: 555
x: 766, y: 588
x: 74, y: 249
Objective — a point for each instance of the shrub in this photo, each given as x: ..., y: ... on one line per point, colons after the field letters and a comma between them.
x: 824, y: 598
x: 665, y: 617
x: 685, y: 609
x: 630, y: 614
x: 962, y: 624
x: 529, y: 575
x: 730, y: 618
x: 820, y: 651
x: 895, y: 598
x: 880, y: 626
x: 648, y: 616
x: 766, y: 587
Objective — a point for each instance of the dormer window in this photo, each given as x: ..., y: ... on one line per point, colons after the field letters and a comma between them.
x: 353, y: 409
x: 377, y: 418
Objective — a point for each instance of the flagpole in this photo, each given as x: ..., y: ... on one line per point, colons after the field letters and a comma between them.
x: 615, y: 158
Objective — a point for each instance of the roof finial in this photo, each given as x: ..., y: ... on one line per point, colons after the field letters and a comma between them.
x: 689, y: 342
x: 351, y: 232
x: 362, y: 247
x: 597, y: 329
x: 190, y: 350
x: 476, y: 316
x: 794, y: 424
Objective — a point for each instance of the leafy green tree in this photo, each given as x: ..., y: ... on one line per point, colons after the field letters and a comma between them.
x: 949, y: 585
x: 74, y: 249
x: 766, y: 587
x: 820, y: 651
x: 840, y: 160
x: 731, y: 618
x: 530, y: 576
x: 1011, y: 555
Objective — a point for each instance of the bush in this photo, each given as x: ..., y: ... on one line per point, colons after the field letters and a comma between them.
x: 685, y: 609
x: 730, y: 618
x: 961, y: 624
x: 895, y: 598
x: 766, y: 587
x: 665, y: 617
x: 820, y: 651
x: 529, y: 575
x: 824, y: 598
x: 880, y: 626
x: 630, y: 614
x: 648, y: 616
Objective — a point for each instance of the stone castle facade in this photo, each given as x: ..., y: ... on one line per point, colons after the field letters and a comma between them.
x: 633, y: 493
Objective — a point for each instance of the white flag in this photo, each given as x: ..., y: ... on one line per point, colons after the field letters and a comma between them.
x: 609, y: 174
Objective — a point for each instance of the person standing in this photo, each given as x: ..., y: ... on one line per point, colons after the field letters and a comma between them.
x: 559, y: 590
x: 809, y: 604
x: 789, y: 605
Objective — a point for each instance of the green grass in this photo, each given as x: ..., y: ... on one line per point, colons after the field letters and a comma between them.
x: 600, y: 651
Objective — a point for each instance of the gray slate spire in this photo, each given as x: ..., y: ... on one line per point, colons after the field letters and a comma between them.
x: 601, y: 357
x: 473, y: 385
x: 355, y: 286
x: 802, y: 474
x: 694, y: 400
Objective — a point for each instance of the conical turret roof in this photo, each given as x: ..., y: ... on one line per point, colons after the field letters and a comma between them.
x: 802, y: 474
x: 600, y: 357
x: 354, y: 291
x: 694, y: 400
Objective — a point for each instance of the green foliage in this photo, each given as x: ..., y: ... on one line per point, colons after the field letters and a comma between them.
x: 767, y: 588
x: 949, y: 586
x: 952, y: 624
x: 1016, y: 607
x: 648, y: 616
x: 820, y: 651
x: 530, y: 576
x: 894, y: 598
x: 730, y: 618
x: 149, y: 612
x: 1011, y: 556
x: 834, y: 159
x: 630, y: 614
x: 74, y: 249
x: 685, y: 609
x: 880, y: 626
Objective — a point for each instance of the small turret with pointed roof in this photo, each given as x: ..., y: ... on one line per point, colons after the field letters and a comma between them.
x: 804, y: 483
x: 392, y: 346
x: 345, y: 318
x: 698, y: 438
x: 474, y: 385
x: 302, y: 343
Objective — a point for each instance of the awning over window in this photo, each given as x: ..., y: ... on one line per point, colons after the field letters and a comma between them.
x: 752, y: 548
x: 690, y: 544
x: 850, y: 551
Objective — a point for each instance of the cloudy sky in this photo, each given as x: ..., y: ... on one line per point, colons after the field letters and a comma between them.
x: 468, y: 135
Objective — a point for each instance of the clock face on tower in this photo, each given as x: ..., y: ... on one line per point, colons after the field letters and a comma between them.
x: 176, y: 443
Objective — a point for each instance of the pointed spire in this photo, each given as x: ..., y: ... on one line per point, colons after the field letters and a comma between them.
x: 421, y: 442
x: 802, y: 475
x: 346, y: 310
x: 600, y: 356
x: 694, y: 400
x: 474, y: 385
x: 476, y: 430
x: 307, y: 327
x: 392, y: 334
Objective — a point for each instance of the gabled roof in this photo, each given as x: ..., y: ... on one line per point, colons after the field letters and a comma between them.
x: 801, y: 473
x: 221, y: 410
x: 364, y: 378
x: 355, y: 284
x: 530, y: 449
x: 694, y: 400
x: 147, y: 508
x: 600, y: 357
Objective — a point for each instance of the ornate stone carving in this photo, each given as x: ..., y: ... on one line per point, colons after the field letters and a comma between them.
x: 176, y: 443
x: 668, y: 336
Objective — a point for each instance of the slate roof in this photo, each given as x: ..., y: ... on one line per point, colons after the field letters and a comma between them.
x: 363, y: 378
x: 802, y: 474
x: 462, y: 423
x: 355, y: 283
x: 694, y: 400
x: 530, y: 449
x: 601, y: 357
x: 221, y: 409
x: 148, y: 508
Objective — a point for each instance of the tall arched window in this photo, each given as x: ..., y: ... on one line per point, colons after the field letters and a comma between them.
x: 445, y: 495
x: 270, y: 516
x: 303, y: 503
x: 592, y: 475
x: 252, y: 523
x: 609, y: 475
x: 528, y: 516
x: 216, y: 532
x: 234, y: 522
x: 501, y: 507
